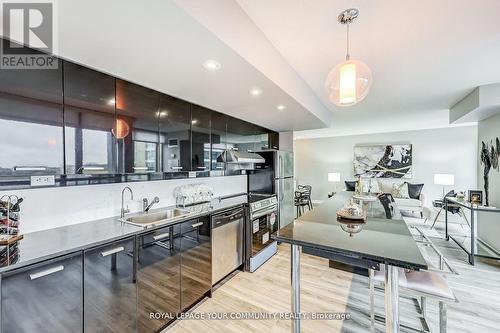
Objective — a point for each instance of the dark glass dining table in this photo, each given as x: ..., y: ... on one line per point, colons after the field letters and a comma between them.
x: 379, y: 241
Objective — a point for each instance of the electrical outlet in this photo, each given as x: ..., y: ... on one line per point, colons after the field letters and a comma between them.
x: 192, y: 174
x: 43, y: 180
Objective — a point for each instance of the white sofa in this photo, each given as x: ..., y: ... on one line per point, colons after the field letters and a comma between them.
x: 414, y: 206
x: 383, y: 185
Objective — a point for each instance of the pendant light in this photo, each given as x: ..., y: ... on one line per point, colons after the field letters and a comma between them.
x: 349, y: 82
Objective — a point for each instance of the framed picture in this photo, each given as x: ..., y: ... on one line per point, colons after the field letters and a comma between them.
x: 383, y: 161
x: 476, y: 197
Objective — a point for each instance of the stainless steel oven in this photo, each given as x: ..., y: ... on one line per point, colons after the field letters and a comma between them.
x: 262, y: 223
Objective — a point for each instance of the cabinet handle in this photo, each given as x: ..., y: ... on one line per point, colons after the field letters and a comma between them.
x: 48, y: 271
x: 202, y: 168
x: 176, y: 168
x: 219, y: 167
x: 161, y: 236
x: 112, y: 251
x: 197, y: 224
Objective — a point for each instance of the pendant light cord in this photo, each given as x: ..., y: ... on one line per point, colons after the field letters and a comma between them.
x: 347, y: 56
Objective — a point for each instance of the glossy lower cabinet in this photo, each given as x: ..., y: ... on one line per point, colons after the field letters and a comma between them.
x: 44, y: 298
x: 196, y: 260
x: 158, y: 279
x: 136, y: 284
x: 110, y: 302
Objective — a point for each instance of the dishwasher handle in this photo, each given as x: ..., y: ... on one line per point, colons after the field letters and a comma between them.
x: 221, y: 219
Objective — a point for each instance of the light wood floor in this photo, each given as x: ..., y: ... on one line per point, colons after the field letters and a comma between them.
x: 328, y: 290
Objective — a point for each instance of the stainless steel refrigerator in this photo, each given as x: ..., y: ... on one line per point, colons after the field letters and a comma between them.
x: 283, y: 186
x: 275, y: 176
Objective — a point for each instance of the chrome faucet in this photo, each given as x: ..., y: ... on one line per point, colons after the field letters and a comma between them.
x: 146, y: 207
x: 125, y: 210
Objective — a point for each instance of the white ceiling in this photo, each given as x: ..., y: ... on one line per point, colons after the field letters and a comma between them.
x: 160, y: 46
x: 425, y: 55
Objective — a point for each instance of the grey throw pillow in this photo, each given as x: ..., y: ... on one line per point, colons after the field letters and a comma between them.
x: 400, y: 190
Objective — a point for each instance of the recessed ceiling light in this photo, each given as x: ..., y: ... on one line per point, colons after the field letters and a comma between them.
x: 111, y: 101
x: 194, y: 121
x: 255, y: 92
x: 281, y: 107
x: 212, y: 65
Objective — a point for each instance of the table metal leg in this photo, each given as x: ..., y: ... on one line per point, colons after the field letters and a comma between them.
x: 442, y: 318
x: 295, y: 270
x: 465, y: 216
x: 435, y: 219
x: 371, y: 277
x: 446, y: 219
x: 472, y: 238
x: 391, y: 299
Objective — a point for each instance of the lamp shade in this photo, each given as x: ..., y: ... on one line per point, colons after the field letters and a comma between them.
x: 348, y: 83
x: 334, y: 177
x: 121, y: 130
x: 444, y: 179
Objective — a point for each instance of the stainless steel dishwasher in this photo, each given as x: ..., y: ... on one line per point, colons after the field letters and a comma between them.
x: 227, y: 242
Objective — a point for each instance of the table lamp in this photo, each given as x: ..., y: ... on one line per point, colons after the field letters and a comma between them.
x: 335, y: 178
x: 444, y: 179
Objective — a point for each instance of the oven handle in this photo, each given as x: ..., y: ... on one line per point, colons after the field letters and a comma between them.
x: 265, y: 212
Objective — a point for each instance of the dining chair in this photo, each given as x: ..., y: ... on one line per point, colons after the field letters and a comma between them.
x: 306, y: 190
x: 301, y: 201
x: 422, y: 285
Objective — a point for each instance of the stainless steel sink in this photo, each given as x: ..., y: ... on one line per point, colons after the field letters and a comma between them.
x: 158, y: 218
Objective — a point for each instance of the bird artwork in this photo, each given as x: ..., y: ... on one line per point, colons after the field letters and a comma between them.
x: 490, y: 153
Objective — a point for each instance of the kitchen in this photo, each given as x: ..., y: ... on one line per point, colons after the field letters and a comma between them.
x: 225, y: 166
x: 137, y: 206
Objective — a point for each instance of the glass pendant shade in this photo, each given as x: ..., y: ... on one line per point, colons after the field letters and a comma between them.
x: 121, y: 130
x: 348, y: 83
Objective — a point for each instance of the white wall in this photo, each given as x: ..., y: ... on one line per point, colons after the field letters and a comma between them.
x: 286, y: 141
x: 446, y: 150
x: 46, y: 208
x: 488, y: 226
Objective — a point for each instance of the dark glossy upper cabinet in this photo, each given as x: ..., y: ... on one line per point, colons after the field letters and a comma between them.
x: 31, y: 122
x: 218, y: 139
x: 266, y: 139
x: 235, y: 136
x: 260, y: 137
x: 136, y: 132
x: 274, y: 140
x: 175, y: 134
x: 89, y: 119
x: 200, y: 138
x: 242, y: 135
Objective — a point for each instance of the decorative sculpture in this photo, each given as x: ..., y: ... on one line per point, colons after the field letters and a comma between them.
x: 490, y: 154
